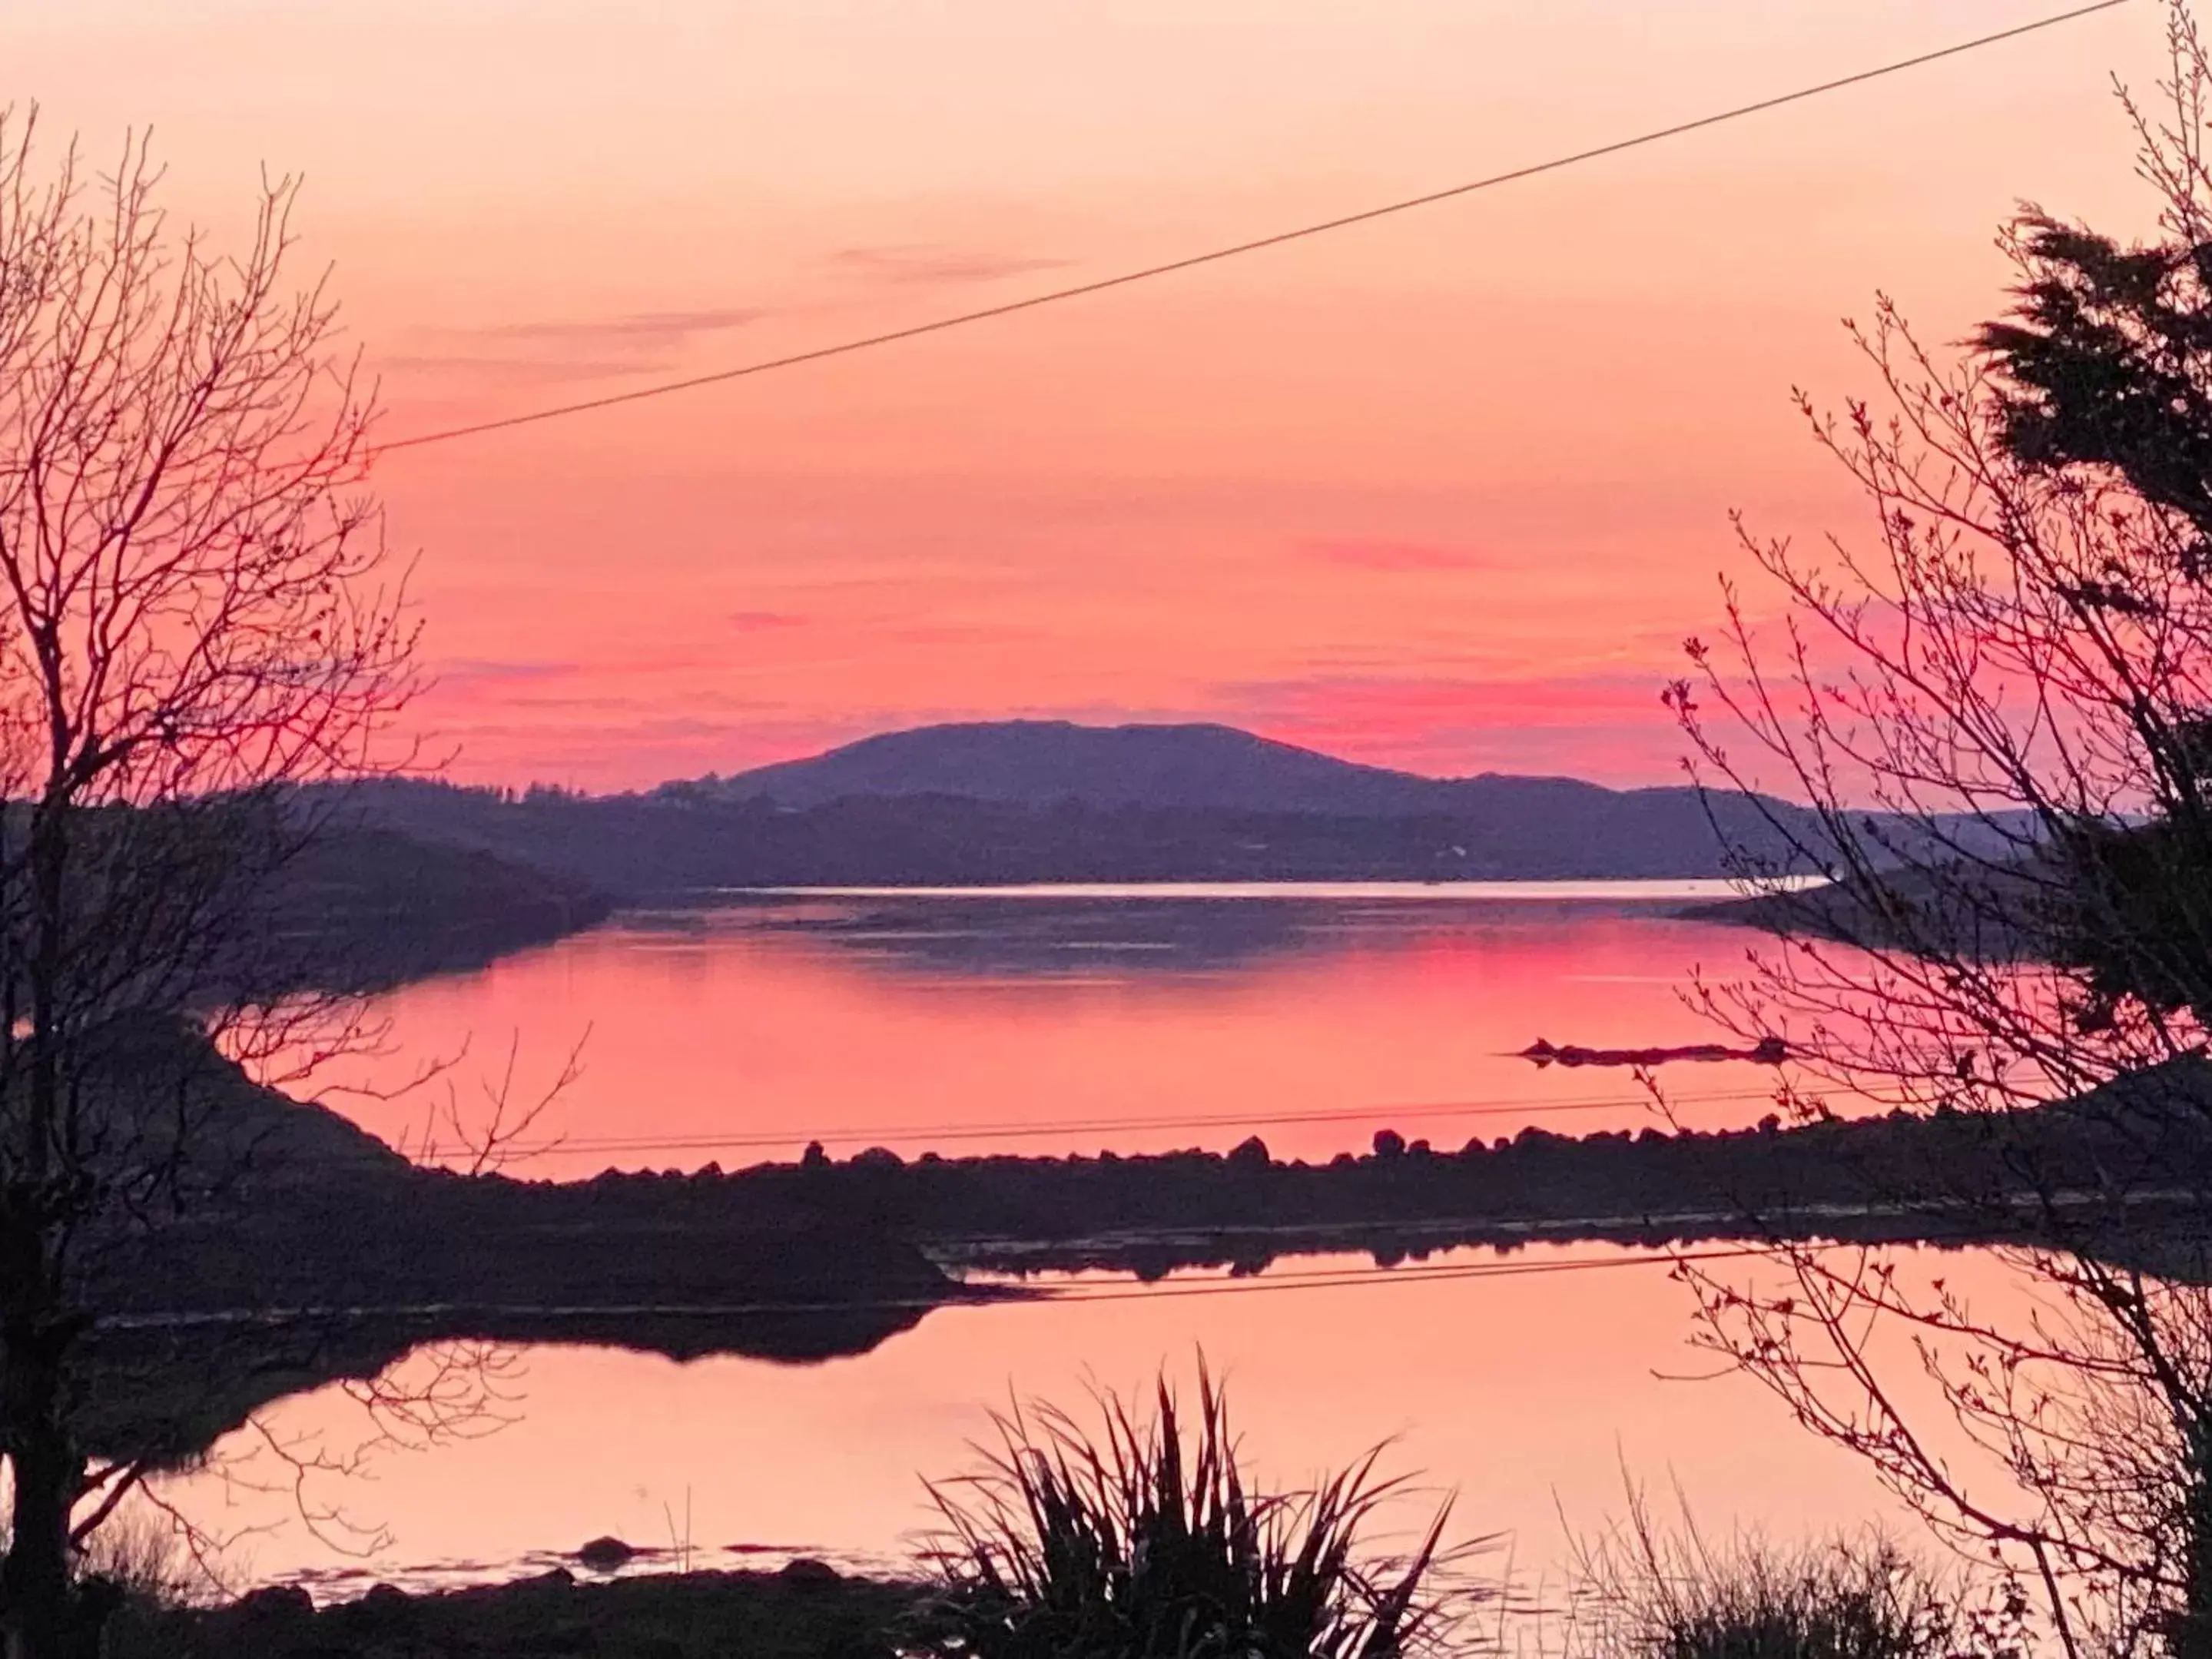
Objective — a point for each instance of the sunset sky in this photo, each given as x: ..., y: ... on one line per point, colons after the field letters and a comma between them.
x: 1442, y: 492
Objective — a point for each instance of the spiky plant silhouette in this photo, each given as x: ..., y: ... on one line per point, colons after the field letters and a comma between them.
x: 1139, y: 1536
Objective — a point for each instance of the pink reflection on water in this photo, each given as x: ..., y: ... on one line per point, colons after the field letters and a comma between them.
x: 1533, y: 1396
x: 980, y: 1025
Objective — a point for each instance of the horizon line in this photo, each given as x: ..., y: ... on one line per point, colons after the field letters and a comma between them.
x: 440, y: 775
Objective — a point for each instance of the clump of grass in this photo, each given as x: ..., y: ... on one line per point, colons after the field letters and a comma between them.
x: 140, y: 1554
x: 1142, y: 1538
x: 1645, y: 1594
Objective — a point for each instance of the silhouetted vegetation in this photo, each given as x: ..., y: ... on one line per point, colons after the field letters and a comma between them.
x: 196, y: 615
x: 2034, y: 889
x: 1641, y: 1593
x: 1145, y: 1537
x: 2021, y: 642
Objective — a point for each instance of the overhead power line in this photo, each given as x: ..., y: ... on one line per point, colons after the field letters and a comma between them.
x: 747, y: 1139
x: 1356, y: 1278
x: 1054, y: 297
x: 972, y: 1131
x: 1116, y: 1289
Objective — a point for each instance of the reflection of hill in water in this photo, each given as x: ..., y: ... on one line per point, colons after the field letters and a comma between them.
x: 166, y: 1396
x: 310, y: 1253
x: 1121, y: 938
x: 827, y: 1257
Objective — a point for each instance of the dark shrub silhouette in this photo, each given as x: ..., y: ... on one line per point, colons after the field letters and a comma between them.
x: 1645, y: 1594
x: 1143, y: 1539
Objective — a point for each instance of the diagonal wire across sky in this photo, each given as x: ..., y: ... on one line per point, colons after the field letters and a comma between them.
x: 1238, y: 250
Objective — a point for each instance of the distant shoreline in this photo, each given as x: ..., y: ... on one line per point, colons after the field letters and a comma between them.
x: 1597, y: 889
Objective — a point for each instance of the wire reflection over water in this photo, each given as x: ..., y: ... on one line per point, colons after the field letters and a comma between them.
x: 1053, y: 1024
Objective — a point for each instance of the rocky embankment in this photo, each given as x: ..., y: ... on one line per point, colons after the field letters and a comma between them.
x: 326, y: 1254
x: 1954, y: 1177
x: 806, y: 1612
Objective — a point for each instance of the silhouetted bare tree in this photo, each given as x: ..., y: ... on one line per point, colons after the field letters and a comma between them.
x: 2001, y: 703
x: 196, y: 612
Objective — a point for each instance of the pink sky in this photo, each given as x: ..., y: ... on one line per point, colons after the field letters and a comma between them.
x: 1444, y: 492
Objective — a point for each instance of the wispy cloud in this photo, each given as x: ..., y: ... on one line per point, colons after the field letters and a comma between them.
x: 486, y: 670
x: 935, y: 262
x: 763, y: 622
x: 1608, y: 726
x: 1365, y: 554
x: 568, y: 348
x: 659, y: 328
x: 1487, y: 700
x: 509, y: 370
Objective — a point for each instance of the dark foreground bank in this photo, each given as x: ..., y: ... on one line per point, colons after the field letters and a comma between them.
x: 2129, y: 1154
x: 806, y: 1612
x: 324, y: 1254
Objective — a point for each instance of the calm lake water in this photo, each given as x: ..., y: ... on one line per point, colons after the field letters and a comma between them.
x: 1053, y: 1020
x: 1534, y: 1395
x: 1049, y: 1021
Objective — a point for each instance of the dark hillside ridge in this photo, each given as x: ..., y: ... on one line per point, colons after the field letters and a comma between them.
x: 1035, y: 801
x: 667, y: 846
x: 356, y: 908
x: 363, y: 907
x: 1042, y: 762
x: 1986, y: 913
x: 1203, y: 768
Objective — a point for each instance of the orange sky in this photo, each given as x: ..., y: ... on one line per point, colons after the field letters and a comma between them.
x: 1442, y: 492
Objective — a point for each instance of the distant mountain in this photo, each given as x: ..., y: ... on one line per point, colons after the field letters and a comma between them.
x: 1202, y: 767
x: 1028, y: 801
x: 1041, y: 762
x: 1518, y: 823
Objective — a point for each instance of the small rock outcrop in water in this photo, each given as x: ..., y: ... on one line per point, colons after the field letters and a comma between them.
x: 605, y: 1554
x: 1767, y: 1051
